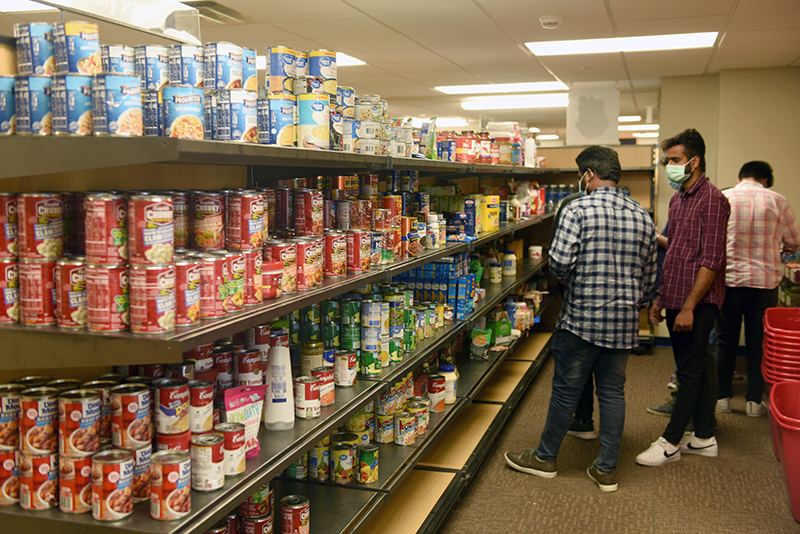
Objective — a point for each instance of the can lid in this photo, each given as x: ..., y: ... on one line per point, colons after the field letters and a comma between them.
x: 272, y: 266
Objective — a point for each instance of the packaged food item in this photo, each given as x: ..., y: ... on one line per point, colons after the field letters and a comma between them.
x: 112, y: 485
x: 38, y: 481
x: 170, y: 485
x: 244, y: 405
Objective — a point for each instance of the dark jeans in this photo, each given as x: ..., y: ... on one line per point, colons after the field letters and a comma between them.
x: 575, y: 360
x: 749, y: 304
x: 585, y: 407
x: 697, y: 375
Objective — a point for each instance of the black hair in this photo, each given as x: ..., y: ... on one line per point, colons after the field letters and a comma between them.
x: 760, y: 170
x: 603, y: 161
x: 693, y: 145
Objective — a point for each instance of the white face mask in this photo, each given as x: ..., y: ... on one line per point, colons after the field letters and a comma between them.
x: 583, y: 191
x: 677, y: 175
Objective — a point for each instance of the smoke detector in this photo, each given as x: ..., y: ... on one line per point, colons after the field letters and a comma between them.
x: 550, y: 22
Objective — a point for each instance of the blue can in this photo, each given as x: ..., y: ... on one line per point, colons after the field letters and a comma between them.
x: 186, y: 65
x: 153, y: 113
x: 408, y: 204
x: 35, y: 48
x: 223, y: 66
x: 249, y: 72
x: 345, y: 96
x: 210, y: 113
x: 503, y: 211
x: 7, y: 106
x: 396, y: 330
x: 237, y: 116
x: 422, y: 202
x: 393, y: 182
x: 262, y: 119
x: 446, y: 149
x: 118, y: 58
x: 77, y: 47
x: 32, y: 99
x: 282, y: 120
x: 376, y: 249
x: 183, y: 112
x: 322, y: 63
x: 280, y: 69
x: 410, y: 181
x: 117, y: 105
x: 152, y: 66
x: 300, y: 64
x: 72, y: 104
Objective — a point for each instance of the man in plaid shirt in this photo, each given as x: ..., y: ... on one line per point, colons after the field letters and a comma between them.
x: 761, y: 224
x: 604, y: 251
x: 692, y: 291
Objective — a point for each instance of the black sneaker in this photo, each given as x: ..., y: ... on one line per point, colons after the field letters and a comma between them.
x: 605, y: 481
x: 528, y: 462
x: 664, y: 410
x: 582, y: 429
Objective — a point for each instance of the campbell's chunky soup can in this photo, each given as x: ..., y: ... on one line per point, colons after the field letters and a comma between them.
x: 9, y: 477
x: 9, y: 246
x: 37, y: 298
x: 181, y: 216
x: 152, y: 299
x: 107, y: 297
x: 213, y: 288
x: 39, y: 420
x: 187, y: 291
x: 208, y: 220
x: 170, y: 484
x: 38, y: 481
x: 70, y: 279
x: 286, y: 253
x: 112, y: 485
x: 75, y: 484
x: 254, y: 277
x: 9, y: 291
x: 171, y: 405
x: 151, y: 229
x: 41, y: 226
x: 244, y: 220
x: 130, y: 416
x: 79, y: 422
x: 106, y: 228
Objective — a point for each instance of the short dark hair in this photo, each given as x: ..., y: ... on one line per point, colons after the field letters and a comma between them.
x: 693, y: 145
x: 760, y: 170
x: 603, y: 161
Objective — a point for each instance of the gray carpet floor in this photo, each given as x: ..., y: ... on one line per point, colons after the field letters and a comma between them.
x: 740, y: 491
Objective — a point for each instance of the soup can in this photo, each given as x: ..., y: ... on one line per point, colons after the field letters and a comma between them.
x: 249, y: 70
x: 153, y: 113
x: 75, y: 484
x: 208, y: 220
x: 107, y: 297
x: 286, y: 253
x: 313, y: 121
x: 112, y: 485
x: 70, y: 280
x: 296, y: 514
x: 38, y: 481
x: 234, y: 447
x: 117, y: 105
x: 72, y: 104
x: 152, y: 299
x: 170, y: 485
x: 358, y: 250
x: 259, y: 503
x: 322, y: 63
x: 210, y: 114
x: 345, y: 367
x: 245, y: 220
x: 9, y: 289
x: 307, y: 397
x: 152, y: 66
x: 79, y: 422
x: 247, y: 368
x: 186, y: 65
x: 213, y: 287
x: 254, y: 277
x: 181, y: 217
x: 34, y: 46
x: 208, y: 461
x: 106, y: 228
x: 335, y: 257
x: 33, y: 105
x: 301, y: 64
x: 183, y: 112
x: 236, y: 283
x: 237, y: 116
x: 120, y: 59
x: 7, y: 107
x: 130, y: 416
x: 37, y: 295
x: 76, y: 45
x: 171, y: 405
x: 187, y: 291
x: 40, y: 226
x: 223, y: 65
x: 9, y: 416
x: 280, y: 69
x: 151, y: 229
x: 201, y: 406
x: 38, y: 420
x: 140, y: 487
x: 327, y: 393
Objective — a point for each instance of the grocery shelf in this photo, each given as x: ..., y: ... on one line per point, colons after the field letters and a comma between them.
x: 442, y: 507
x: 473, y: 374
x: 507, y: 228
x: 406, y: 264
x: 278, y: 450
x: 495, y: 293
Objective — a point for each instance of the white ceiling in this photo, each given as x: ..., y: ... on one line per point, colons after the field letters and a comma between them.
x: 413, y: 45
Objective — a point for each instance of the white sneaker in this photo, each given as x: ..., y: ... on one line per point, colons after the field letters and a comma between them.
x: 755, y: 409
x: 724, y: 405
x: 660, y: 452
x: 691, y: 444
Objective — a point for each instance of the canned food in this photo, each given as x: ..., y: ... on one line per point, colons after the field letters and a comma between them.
x: 249, y: 70
x: 38, y: 481
x: 236, y: 281
x: 107, y: 297
x: 234, y: 447
x: 8, y: 221
x: 286, y: 253
x: 436, y: 392
x: 201, y: 406
x: 308, y: 212
x: 370, y: 363
x: 327, y: 393
x: 9, y: 416
x: 280, y: 69
x: 258, y: 504
x: 299, y: 468
x: 75, y: 484
x: 140, y: 487
x: 345, y: 368
x: 106, y: 228
x: 210, y: 114
x: 37, y: 293
x: 112, y: 485
x: 371, y: 313
x: 405, y: 428
x: 152, y: 66
x: 306, y: 397
x: 237, y: 116
x: 358, y: 250
x: 208, y: 462
x: 183, y: 112
x: 370, y: 339
x: 247, y: 367
x: 72, y: 104
x: 187, y: 291
x: 421, y: 412
x: 70, y: 281
x: 130, y: 416
x: 367, y: 463
x: 34, y: 46
x: 319, y: 463
x: 120, y: 59
x: 186, y: 65
x: 151, y: 229
x: 313, y: 121
x: 152, y: 299
x: 41, y: 226
x: 117, y: 105
x: 170, y: 485
x: 221, y: 528
x: 232, y: 521
x: 76, y: 46
x: 223, y: 66
x: 223, y: 363
x: 208, y: 216
x: 257, y: 525
x: 153, y: 113
x: 173, y: 442
x: 308, y: 85
x: 38, y: 421
x: 171, y: 405
x: 32, y: 105
x: 244, y: 221
x: 342, y: 462
x: 74, y: 223
x: 79, y: 422
x: 213, y: 288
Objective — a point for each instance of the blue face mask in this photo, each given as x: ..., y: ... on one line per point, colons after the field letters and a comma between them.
x: 677, y: 175
x: 581, y: 190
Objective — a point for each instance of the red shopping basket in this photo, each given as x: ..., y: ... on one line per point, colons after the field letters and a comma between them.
x: 782, y: 321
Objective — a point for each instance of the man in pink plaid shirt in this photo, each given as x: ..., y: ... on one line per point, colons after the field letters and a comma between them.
x: 760, y: 226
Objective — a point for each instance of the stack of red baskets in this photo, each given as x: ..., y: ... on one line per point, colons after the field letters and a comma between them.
x: 781, y: 369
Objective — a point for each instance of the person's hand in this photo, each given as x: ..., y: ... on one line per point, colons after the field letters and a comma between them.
x: 655, y: 314
x: 684, y: 321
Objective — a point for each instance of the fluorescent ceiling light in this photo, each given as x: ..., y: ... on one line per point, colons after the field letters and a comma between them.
x: 343, y: 60
x: 534, y: 129
x: 441, y: 122
x: 629, y: 118
x: 517, y: 102
x: 490, y: 88
x: 680, y: 41
x: 23, y: 6
x: 645, y: 134
x: 637, y: 127
x: 547, y: 137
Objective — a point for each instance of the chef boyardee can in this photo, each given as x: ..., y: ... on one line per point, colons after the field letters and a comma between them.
x: 183, y: 112
x: 72, y: 104
x: 186, y: 65
x: 367, y: 463
x: 117, y: 105
x: 153, y: 113
x: 120, y: 59
x: 32, y: 100
x: 152, y: 66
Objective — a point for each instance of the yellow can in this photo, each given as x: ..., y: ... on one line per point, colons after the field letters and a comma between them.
x: 490, y: 213
x: 357, y: 423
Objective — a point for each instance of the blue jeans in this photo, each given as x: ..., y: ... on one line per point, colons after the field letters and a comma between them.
x: 575, y: 360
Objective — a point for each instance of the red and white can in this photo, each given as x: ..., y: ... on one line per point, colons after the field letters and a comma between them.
x: 306, y: 264
x: 152, y: 299
x: 223, y: 363
x: 38, y: 420
x: 358, y: 250
x: 10, y: 416
x: 182, y: 214
x: 319, y: 253
x: 236, y: 280
x: 286, y: 253
x: 436, y: 392
x: 208, y: 462
x: 9, y: 290
x: 335, y: 255
x: 381, y: 219
x: 232, y: 521
x: 151, y: 230
x: 361, y: 214
x: 253, y: 277
x: 74, y: 222
x: 79, y: 422
x: 38, y: 481
x: 295, y: 515
x: 171, y: 405
x: 201, y: 406
x: 201, y: 354
x: 187, y: 291
x: 141, y: 473
x: 112, y: 485
x: 104, y: 388
x: 106, y: 228
x: 75, y: 484
x: 284, y: 209
x: 308, y: 218
x: 180, y: 370
x: 244, y: 220
x: 107, y: 297
x: 37, y: 292
x: 208, y: 220
x: 258, y: 338
x: 40, y: 226
x: 329, y: 214
x: 306, y: 397
x: 259, y: 503
x: 393, y: 203
x: 345, y: 367
x: 70, y: 277
x: 152, y: 371
x: 247, y: 368
x: 170, y: 484
x: 327, y: 391
x: 368, y: 184
x: 173, y: 442
x: 233, y: 447
x: 213, y: 287
x: 9, y: 247
x: 343, y: 212
x: 257, y: 525
x: 278, y: 339
x: 9, y: 477
x: 130, y: 416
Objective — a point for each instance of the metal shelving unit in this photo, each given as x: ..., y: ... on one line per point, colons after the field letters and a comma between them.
x: 495, y: 293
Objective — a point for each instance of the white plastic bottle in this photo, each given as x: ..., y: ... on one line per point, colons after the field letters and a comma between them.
x: 530, y: 152
x: 509, y: 263
x: 495, y: 273
x: 432, y: 231
x: 451, y: 382
x: 279, y: 404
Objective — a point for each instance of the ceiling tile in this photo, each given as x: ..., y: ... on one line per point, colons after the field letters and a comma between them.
x: 760, y: 6
x: 320, y: 29
x: 399, y: 9
x: 381, y: 59
x: 631, y: 28
x: 626, y: 10
x: 355, y: 44
x: 260, y: 35
x: 761, y: 37
x: 441, y: 40
x: 496, y: 53
x: 752, y: 62
x: 765, y: 20
x: 297, y: 11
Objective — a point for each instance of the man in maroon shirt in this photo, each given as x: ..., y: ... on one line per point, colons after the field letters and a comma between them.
x: 692, y: 291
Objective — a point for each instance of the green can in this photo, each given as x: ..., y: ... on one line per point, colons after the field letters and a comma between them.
x: 422, y: 318
x: 387, y: 255
x: 430, y: 321
x: 409, y: 319
x: 331, y: 335
x: 294, y: 332
x: 309, y: 332
x: 395, y: 350
x: 409, y: 294
x: 369, y: 363
x: 396, y: 302
x: 299, y: 468
x: 310, y: 314
x: 351, y: 337
x: 330, y: 312
x: 350, y: 311
x: 367, y: 463
x: 409, y: 340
